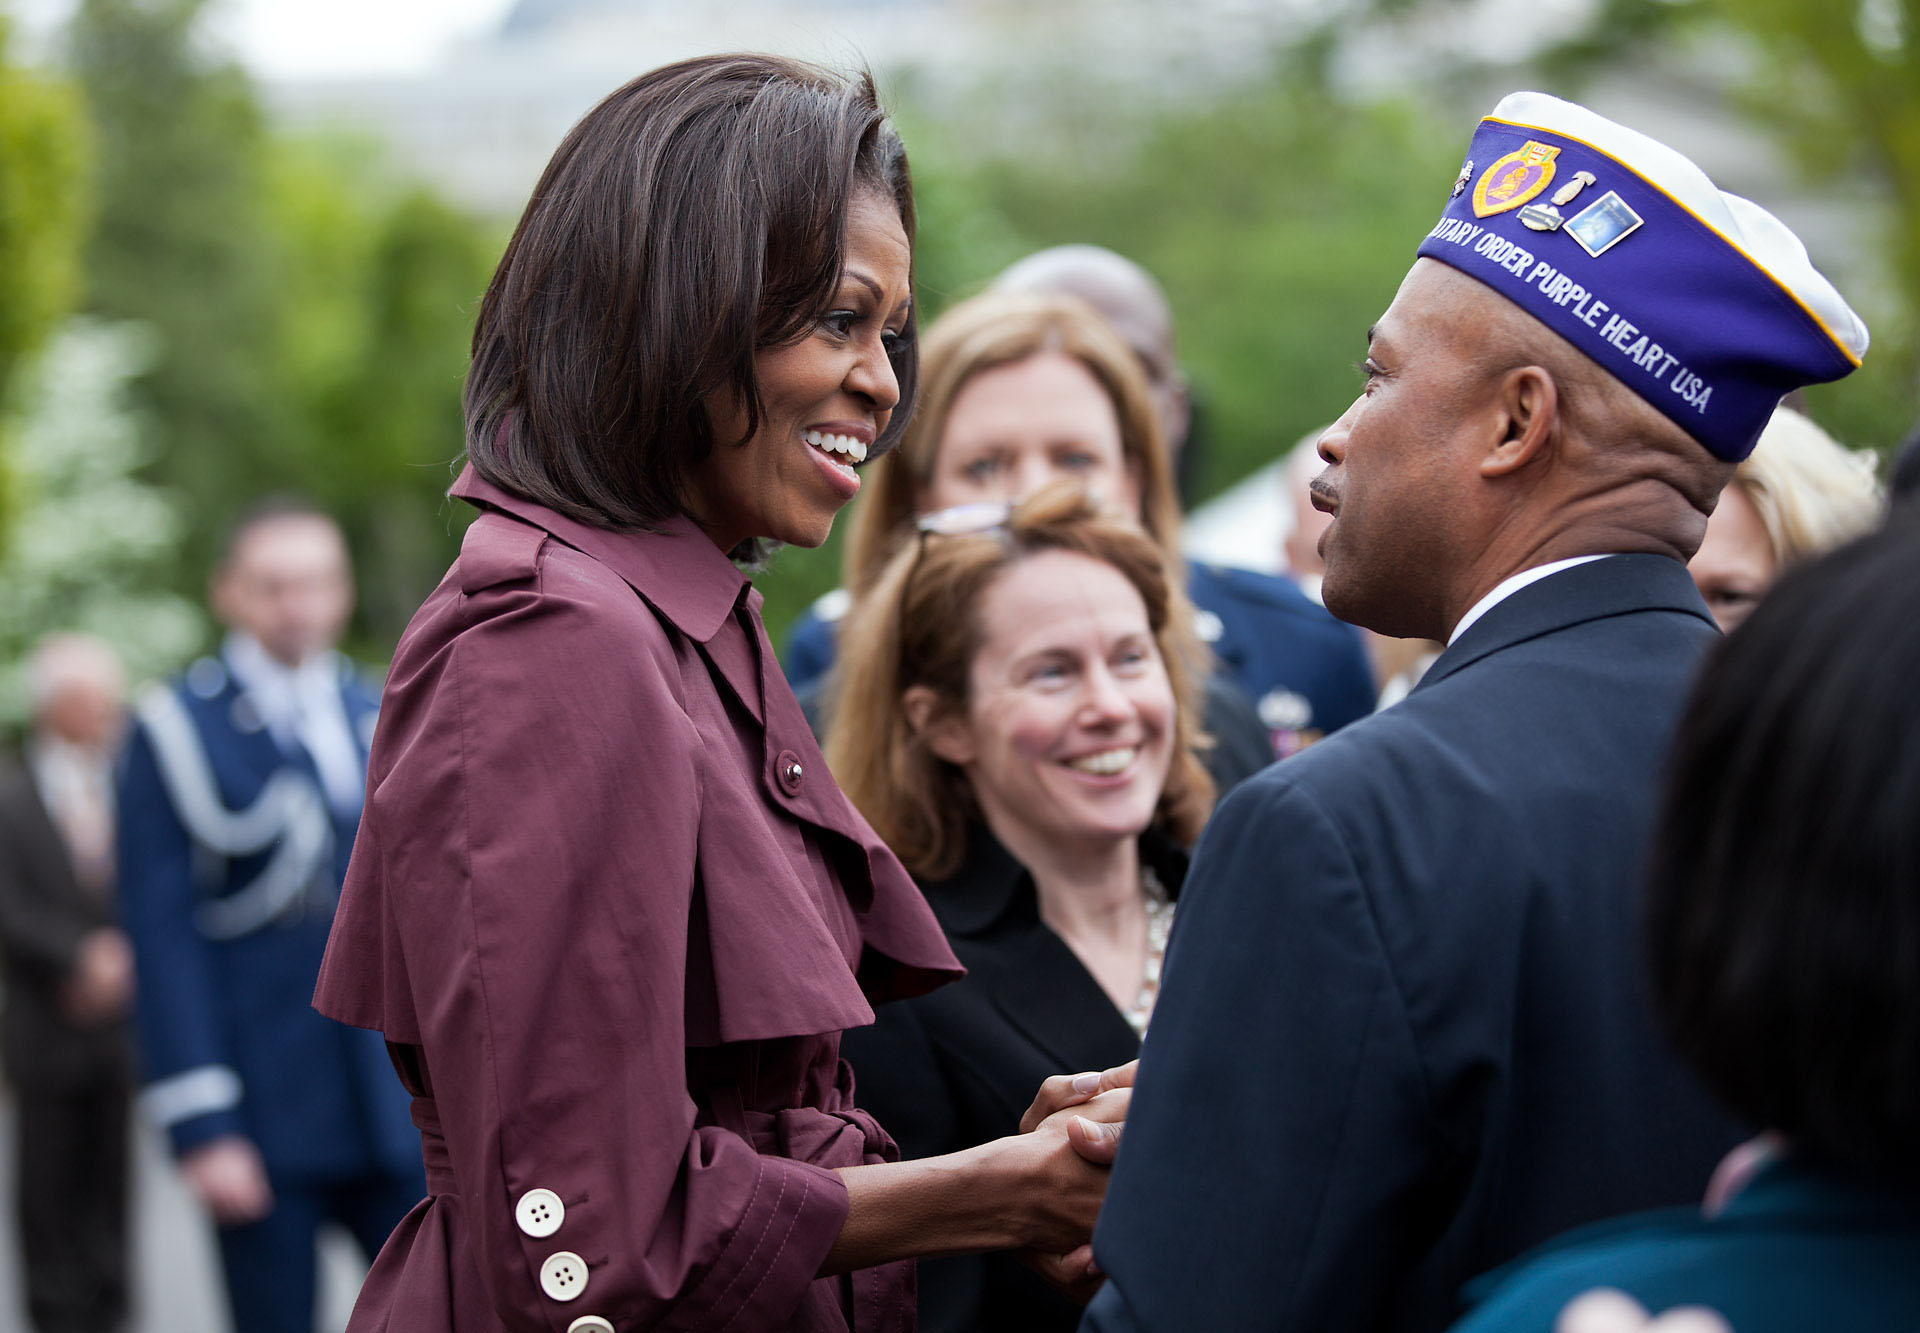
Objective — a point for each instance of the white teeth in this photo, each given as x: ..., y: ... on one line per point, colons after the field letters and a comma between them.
x: 836, y: 444
x: 1107, y: 762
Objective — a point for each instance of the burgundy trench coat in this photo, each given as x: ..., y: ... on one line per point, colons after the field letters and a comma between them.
x: 612, y: 914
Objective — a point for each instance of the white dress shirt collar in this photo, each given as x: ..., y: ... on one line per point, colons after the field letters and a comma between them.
x: 1507, y: 587
x: 302, y: 706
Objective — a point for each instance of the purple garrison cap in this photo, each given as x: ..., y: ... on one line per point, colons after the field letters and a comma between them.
x: 1701, y: 302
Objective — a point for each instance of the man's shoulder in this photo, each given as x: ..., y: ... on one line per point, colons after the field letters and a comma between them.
x: 1393, y: 761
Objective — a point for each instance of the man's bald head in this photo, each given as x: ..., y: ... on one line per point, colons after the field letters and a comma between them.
x: 1129, y: 299
x: 77, y: 684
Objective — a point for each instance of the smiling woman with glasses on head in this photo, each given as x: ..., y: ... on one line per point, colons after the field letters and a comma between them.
x: 607, y: 906
x: 1015, y: 719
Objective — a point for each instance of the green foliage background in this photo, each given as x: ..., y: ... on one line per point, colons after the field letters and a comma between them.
x: 307, y: 307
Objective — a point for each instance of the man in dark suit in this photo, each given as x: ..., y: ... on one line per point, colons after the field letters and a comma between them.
x: 239, y: 799
x: 69, y: 976
x: 1402, y: 1037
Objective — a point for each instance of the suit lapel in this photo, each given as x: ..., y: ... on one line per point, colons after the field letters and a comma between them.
x: 1045, y: 992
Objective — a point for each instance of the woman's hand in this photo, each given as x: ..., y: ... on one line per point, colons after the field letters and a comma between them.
x: 1064, y: 1163
x: 1038, y: 1191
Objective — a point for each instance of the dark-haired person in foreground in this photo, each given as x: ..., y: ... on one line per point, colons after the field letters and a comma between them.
x: 239, y: 798
x: 1783, y: 920
x: 609, y: 908
x: 1401, y: 1037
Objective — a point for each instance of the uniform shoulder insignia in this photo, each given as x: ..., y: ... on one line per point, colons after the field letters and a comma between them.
x: 498, y: 550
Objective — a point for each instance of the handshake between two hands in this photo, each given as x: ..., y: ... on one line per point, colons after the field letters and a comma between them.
x: 1080, y: 1118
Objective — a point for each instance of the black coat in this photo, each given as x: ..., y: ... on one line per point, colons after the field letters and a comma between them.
x: 1403, y: 1034
x: 958, y: 1067
x: 44, y: 914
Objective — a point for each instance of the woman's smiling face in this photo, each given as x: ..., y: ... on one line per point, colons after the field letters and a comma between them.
x: 1068, y: 731
x: 827, y: 397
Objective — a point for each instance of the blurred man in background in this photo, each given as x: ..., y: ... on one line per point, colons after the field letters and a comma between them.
x: 69, y: 989
x: 240, y: 795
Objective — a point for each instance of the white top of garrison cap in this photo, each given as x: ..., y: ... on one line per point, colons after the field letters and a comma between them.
x: 1743, y: 224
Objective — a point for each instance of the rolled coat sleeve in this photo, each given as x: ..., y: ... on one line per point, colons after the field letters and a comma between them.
x: 536, y: 834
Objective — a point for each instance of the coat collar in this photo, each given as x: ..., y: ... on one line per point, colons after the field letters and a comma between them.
x: 681, y: 573
x: 991, y: 890
x: 1617, y: 585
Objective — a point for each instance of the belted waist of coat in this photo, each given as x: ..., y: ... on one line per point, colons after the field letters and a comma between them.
x: 433, y: 1147
x: 831, y: 1135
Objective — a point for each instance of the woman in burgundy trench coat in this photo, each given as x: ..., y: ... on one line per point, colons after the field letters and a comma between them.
x: 607, y: 905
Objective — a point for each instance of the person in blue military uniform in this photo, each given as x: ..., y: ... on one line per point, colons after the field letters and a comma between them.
x: 239, y: 794
x: 1401, y: 1035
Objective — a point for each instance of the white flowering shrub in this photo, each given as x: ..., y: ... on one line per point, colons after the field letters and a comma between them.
x: 87, y: 545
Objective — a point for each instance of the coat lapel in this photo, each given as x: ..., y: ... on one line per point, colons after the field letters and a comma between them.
x: 1617, y: 585
x: 1045, y: 992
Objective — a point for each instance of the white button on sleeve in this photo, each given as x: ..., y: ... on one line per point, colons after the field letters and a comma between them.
x: 564, y: 1275
x: 590, y: 1323
x: 540, y: 1213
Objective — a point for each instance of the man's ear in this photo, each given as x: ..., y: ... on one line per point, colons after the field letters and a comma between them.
x: 944, y: 734
x: 1527, y: 403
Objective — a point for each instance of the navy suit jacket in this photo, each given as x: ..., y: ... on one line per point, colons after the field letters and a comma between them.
x: 228, y: 1037
x: 1402, y: 1036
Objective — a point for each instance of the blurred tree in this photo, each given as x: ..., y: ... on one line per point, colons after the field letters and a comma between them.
x: 311, y: 311
x: 43, y: 209
x: 181, y: 247
x: 1279, y: 216
x: 395, y: 412
x: 89, y: 546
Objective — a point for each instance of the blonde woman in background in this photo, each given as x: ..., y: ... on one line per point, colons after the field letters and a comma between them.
x: 1797, y: 495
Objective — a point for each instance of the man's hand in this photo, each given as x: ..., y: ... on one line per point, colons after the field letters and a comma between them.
x: 1067, y: 1090
x: 228, y: 1177
x: 99, y: 990
x: 1073, y: 1275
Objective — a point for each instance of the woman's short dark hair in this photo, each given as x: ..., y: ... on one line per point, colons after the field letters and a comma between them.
x: 692, y: 218
x: 1783, y: 914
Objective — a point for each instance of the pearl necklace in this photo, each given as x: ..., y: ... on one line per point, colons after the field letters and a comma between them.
x: 1159, y: 923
